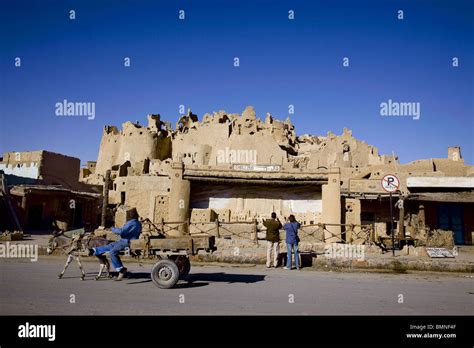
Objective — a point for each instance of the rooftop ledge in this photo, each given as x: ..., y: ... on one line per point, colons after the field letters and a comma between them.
x: 256, y: 174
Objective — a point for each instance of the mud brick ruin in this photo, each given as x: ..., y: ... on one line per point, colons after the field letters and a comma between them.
x: 233, y: 170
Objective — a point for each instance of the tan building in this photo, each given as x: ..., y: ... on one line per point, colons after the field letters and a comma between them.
x: 46, y: 167
x: 437, y: 194
x: 239, y: 168
x: 40, y: 187
x: 37, y: 207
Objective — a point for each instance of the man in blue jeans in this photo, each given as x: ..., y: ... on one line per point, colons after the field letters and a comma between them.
x: 130, y: 231
x: 292, y: 240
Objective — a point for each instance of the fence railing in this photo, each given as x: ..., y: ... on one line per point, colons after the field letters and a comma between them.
x: 349, y: 234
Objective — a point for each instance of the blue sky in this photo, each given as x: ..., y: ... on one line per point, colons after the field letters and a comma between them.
x: 282, y: 62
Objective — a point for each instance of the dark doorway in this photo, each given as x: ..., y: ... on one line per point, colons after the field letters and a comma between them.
x: 450, y: 217
x: 367, y: 218
x: 77, y: 215
x: 35, y: 215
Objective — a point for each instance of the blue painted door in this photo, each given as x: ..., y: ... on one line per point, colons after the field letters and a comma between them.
x: 450, y: 217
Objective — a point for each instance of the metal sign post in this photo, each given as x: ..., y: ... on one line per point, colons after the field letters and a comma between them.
x: 391, y: 226
x: 390, y: 183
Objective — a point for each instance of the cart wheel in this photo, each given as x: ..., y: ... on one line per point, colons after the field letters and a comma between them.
x: 184, y: 266
x: 165, y: 274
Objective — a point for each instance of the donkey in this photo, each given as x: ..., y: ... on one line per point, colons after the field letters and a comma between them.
x: 74, y: 247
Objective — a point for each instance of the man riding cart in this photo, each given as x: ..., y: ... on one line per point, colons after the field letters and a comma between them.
x: 130, y: 231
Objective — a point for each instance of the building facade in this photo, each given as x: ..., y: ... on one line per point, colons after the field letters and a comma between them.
x: 239, y: 168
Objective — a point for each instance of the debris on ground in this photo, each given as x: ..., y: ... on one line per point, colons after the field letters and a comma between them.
x: 11, y: 236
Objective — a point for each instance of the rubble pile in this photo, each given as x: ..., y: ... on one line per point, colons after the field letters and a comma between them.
x: 8, y: 236
x: 436, y: 238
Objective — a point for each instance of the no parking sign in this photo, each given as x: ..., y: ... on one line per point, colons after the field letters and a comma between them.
x: 390, y: 183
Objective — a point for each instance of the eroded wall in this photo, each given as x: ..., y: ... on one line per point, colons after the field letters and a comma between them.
x: 246, y: 202
x: 134, y: 143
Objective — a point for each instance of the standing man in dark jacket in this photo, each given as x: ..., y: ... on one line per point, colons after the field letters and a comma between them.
x: 273, y: 226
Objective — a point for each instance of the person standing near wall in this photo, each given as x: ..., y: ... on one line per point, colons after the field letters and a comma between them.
x: 273, y: 226
x: 292, y: 240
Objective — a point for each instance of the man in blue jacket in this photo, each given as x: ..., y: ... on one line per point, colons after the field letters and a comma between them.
x: 292, y: 240
x: 130, y: 231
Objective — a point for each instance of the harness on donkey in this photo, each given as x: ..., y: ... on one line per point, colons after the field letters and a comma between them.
x: 76, y: 243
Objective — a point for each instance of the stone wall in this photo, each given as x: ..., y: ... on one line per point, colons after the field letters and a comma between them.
x: 244, y: 202
x: 142, y: 192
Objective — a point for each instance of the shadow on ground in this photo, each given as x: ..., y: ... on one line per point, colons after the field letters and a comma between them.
x: 194, y: 279
x: 306, y: 258
x: 225, y: 277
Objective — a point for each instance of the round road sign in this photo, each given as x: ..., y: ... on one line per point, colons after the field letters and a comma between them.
x: 390, y: 183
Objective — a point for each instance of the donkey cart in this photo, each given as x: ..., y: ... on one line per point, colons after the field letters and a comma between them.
x: 173, y: 255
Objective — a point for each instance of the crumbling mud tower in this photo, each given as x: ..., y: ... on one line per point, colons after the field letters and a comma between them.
x: 133, y: 147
